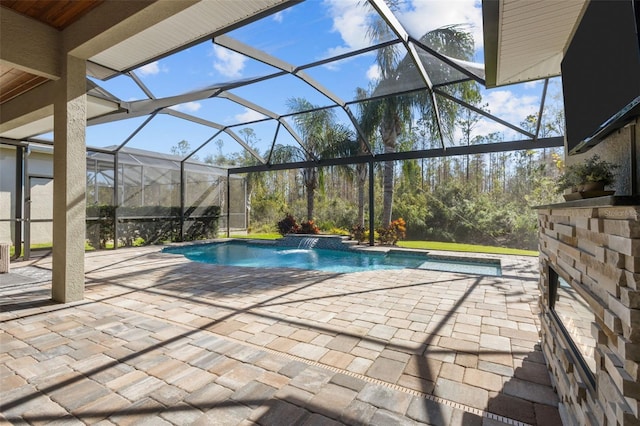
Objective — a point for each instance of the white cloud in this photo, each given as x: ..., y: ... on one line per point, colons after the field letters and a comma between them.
x: 532, y: 84
x: 248, y: 115
x: 278, y: 17
x: 351, y: 22
x: 228, y: 63
x: 423, y: 16
x: 187, y: 107
x: 509, y: 106
x: 152, y: 68
x: 417, y: 17
x: 373, y: 73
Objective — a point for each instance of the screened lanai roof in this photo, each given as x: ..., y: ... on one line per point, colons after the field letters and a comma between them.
x: 222, y: 75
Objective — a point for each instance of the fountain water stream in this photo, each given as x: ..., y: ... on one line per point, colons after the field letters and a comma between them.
x: 307, y: 243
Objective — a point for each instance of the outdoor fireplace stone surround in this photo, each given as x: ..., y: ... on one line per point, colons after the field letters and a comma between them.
x: 594, y: 245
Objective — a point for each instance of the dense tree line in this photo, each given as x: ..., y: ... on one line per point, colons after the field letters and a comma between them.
x: 481, y: 199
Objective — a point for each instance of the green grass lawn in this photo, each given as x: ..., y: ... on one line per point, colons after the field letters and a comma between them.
x: 43, y: 246
x: 437, y: 245
x: 427, y: 245
x: 266, y: 236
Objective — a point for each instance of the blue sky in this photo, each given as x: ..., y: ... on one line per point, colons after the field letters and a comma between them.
x: 313, y: 30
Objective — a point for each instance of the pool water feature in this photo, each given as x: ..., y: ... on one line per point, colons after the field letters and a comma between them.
x: 264, y: 255
x: 308, y: 243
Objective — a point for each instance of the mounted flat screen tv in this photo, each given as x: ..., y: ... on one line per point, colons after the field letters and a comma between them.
x: 601, y: 73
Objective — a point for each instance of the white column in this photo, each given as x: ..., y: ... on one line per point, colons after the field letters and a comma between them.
x: 69, y: 182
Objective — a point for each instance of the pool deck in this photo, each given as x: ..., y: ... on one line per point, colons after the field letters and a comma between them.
x: 160, y: 340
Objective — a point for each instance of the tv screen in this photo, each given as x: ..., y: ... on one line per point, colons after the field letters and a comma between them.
x: 601, y: 72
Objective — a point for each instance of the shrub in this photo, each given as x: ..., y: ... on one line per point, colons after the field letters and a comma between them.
x: 288, y: 225
x: 376, y: 236
x: 392, y: 233
x: 334, y: 213
x: 308, y: 227
x: 138, y: 242
x: 100, y: 225
x: 358, y: 233
x: 264, y: 228
x: 337, y: 231
x: 145, y: 225
x: 326, y: 224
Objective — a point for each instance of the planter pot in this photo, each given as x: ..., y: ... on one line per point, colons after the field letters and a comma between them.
x: 588, y: 190
x: 591, y: 186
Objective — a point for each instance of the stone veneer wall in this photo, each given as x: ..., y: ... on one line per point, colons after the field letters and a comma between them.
x: 597, y: 250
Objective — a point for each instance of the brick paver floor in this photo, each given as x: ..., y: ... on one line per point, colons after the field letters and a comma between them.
x: 162, y: 340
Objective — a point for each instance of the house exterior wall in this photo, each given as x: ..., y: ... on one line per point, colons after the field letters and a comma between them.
x: 39, y: 163
x: 7, y: 190
x: 618, y: 148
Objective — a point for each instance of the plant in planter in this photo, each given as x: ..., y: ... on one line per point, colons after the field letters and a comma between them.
x: 588, y: 178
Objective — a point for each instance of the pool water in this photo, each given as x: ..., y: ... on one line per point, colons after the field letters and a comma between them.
x: 463, y: 266
x: 341, y: 261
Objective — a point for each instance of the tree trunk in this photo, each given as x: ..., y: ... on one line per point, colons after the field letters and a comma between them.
x: 310, y: 182
x: 388, y: 131
x: 310, y: 202
x: 387, y: 191
x: 466, y: 167
x: 361, y: 171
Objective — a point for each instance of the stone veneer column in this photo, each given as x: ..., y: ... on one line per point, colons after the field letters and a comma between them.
x: 597, y: 250
x: 69, y: 182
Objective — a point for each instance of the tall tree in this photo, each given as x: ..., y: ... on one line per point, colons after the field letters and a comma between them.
x: 362, y: 168
x: 393, y: 115
x: 182, y: 148
x: 468, y: 119
x: 322, y: 136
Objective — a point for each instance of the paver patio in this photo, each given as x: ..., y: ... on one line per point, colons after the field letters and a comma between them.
x: 162, y: 340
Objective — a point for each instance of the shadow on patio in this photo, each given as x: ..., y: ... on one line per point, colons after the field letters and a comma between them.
x: 158, y: 337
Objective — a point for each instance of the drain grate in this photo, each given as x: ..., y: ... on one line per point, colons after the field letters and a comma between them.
x: 452, y: 404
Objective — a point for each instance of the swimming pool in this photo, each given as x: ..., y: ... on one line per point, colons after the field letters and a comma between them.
x: 240, y: 253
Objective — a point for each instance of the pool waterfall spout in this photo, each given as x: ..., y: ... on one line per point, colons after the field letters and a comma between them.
x: 307, y: 243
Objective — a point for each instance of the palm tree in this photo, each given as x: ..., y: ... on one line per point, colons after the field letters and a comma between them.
x: 321, y: 137
x: 393, y: 115
x: 362, y: 168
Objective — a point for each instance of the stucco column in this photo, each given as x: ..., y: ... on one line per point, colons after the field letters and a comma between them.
x: 69, y: 182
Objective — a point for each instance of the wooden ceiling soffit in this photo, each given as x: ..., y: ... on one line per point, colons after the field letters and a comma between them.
x: 58, y: 14
x: 14, y: 82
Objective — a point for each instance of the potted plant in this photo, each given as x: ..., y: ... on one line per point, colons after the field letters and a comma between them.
x: 587, y: 179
